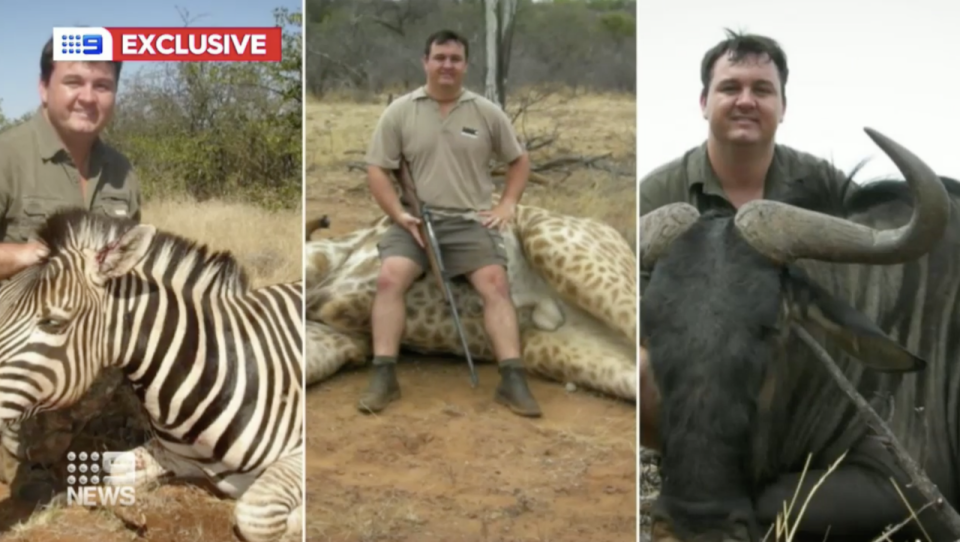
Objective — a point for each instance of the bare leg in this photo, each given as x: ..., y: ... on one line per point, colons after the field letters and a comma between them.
x: 500, y: 323
x: 388, y: 319
x: 389, y: 308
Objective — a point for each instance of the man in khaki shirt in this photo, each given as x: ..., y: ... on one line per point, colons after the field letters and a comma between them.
x: 743, y: 100
x: 55, y: 160
x: 447, y: 136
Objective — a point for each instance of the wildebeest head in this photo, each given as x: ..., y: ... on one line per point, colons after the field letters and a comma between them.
x: 714, y: 319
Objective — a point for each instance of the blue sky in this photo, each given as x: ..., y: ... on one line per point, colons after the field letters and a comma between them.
x: 26, y: 26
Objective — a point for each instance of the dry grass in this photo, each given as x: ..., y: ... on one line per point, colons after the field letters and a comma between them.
x: 269, y: 246
x: 337, y: 133
x: 267, y: 243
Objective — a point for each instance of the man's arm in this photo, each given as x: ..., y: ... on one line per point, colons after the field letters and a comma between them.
x: 14, y: 257
x: 381, y: 187
x: 383, y: 156
x: 508, y: 149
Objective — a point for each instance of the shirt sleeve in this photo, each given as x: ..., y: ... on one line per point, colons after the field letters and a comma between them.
x: 385, y: 145
x: 506, y: 144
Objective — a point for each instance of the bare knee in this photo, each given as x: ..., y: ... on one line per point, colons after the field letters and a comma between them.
x: 491, y: 283
x: 396, y: 275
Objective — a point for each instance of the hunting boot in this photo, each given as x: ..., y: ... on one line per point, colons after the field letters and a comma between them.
x: 513, y: 391
x: 382, y: 389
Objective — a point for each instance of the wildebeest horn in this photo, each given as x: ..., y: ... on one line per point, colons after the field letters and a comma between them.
x: 660, y: 227
x: 785, y: 233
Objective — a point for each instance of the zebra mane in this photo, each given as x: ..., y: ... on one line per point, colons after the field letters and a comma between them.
x: 80, y: 228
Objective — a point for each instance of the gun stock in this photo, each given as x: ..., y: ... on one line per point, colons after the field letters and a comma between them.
x: 405, y: 180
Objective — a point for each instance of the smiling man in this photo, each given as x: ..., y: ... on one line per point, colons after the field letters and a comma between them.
x: 447, y: 135
x: 743, y: 100
x: 57, y: 158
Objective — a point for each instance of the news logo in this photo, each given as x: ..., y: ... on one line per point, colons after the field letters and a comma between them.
x: 116, y: 471
x: 162, y: 44
x: 82, y: 43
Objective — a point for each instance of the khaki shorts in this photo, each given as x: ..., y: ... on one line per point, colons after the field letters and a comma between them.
x: 465, y: 245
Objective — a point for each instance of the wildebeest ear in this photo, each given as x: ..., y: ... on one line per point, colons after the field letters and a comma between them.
x: 847, y: 327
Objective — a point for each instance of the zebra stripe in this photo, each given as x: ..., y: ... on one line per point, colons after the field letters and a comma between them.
x: 217, y: 364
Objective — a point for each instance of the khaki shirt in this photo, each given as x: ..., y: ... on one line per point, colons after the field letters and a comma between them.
x: 449, y: 157
x: 37, y: 177
x: 691, y: 179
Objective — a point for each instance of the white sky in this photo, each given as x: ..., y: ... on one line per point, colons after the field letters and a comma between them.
x: 892, y: 65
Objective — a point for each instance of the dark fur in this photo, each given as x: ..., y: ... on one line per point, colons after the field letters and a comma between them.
x: 710, y: 318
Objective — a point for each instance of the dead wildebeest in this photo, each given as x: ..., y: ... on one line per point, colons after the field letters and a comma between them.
x: 874, y: 278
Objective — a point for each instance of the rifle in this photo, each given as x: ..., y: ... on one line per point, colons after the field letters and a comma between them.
x: 421, y: 211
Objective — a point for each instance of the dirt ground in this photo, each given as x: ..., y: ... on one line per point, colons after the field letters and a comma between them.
x: 269, y: 245
x: 446, y: 463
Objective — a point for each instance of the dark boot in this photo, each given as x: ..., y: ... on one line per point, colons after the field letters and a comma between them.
x: 382, y: 389
x: 514, y: 393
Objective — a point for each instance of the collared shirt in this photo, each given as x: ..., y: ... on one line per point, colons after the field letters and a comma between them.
x: 691, y: 179
x: 449, y: 157
x: 38, y: 177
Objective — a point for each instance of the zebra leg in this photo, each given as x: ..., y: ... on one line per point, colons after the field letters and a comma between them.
x: 272, y: 508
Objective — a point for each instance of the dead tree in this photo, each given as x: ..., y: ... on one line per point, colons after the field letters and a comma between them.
x: 499, y: 24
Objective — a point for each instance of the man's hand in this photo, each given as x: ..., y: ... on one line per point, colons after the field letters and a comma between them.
x: 499, y: 216
x: 410, y: 223
x: 15, y: 257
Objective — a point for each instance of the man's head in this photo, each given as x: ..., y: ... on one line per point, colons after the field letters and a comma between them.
x: 78, y: 97
x: 744, y: 89
x: 445, y: 59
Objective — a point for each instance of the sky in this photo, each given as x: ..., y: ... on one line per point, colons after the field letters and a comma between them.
x: 26, y: 26
x: 891, y: 66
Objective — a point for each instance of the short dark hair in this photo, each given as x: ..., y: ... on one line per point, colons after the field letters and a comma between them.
x: 46, y: 63
x: 737, y: 46
x: 443, y: 36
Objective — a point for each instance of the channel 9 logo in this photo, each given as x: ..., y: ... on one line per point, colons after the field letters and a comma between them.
x: 82, y: 44
x: 116, y: 470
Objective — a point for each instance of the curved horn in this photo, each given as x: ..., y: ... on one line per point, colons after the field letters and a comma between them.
x: 660, y: 227
x: 785, y: 233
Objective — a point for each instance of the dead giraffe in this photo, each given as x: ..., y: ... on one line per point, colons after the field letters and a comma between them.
x: 573, y: 281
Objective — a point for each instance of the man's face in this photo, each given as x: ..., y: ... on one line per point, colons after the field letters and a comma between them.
x: 80, y: 96
x: 446, y: 64
x: 743, y: 104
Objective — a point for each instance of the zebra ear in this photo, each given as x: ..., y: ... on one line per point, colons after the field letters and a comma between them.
x: 123, y: 254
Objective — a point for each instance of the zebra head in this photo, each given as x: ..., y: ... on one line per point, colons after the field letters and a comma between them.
x: 58, y: 318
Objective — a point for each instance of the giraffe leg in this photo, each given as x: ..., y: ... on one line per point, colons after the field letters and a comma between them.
x: 272, y: 508
x: 328, y: 350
